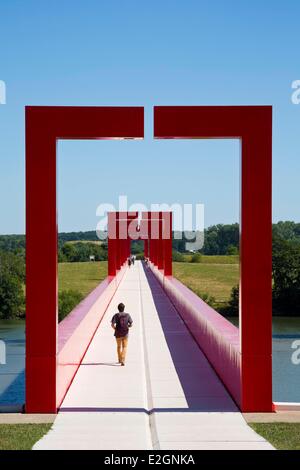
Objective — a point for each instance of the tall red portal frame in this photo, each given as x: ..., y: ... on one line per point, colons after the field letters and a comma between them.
x: 44, y: 126
x: 253, y: 126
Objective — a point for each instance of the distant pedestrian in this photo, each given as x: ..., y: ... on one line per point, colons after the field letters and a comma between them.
x: 121, y: 322
x: 129, y: 262
x: 132, y: 260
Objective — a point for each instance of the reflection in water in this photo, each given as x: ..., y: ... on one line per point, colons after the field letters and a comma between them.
x: 286, y: 375
x: 12, y: 380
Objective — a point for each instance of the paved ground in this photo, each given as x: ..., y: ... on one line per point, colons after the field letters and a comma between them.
x: 24, y: 418
x: 166, y: 397
x: 278, y: 417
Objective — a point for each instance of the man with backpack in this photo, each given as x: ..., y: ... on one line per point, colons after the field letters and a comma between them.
x: 121, y: 322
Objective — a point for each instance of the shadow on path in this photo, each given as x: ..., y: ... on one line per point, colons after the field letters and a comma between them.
x: 203, y: 390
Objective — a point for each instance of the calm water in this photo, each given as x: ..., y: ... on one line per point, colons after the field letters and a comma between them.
x: 286, y: 375
x: 12, y: 380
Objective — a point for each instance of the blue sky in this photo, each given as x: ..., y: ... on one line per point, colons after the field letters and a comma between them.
x: 147, y: 53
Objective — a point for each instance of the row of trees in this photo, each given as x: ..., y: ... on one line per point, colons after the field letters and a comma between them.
x: 12, y: 281
x: 220, y: 239
x: 286, y: 277
x: 79, y: 252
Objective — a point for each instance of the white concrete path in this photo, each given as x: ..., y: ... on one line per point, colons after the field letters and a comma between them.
x: 166, y: 397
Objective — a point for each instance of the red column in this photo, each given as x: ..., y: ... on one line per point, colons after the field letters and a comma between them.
x: 150, y: 250
x: 144, y: 232
x: 155, y: 236
x: 118, y: 248
x: 41, y: 271
x: 147, y: 228
x: 122, y: 236
x: 256, y: 269
x: 146, y: 251
x: 160, y: 250
x: 152, y: 241
x: 167, y: 242
x: 111, y: 243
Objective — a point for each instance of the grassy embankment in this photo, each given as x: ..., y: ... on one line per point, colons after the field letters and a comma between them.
x: 21, y: 436
x: 215, y: 276
x: 283, y: 436
x: 83, y: 277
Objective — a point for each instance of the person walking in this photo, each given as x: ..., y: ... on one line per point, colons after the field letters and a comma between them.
x: 121, y: 322
x: 129, y: 262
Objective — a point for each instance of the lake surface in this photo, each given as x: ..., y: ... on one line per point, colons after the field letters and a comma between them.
x: 12, y: 377
x: 286, y: 374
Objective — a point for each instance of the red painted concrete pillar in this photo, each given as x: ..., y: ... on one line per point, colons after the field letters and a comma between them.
x: 149, y: 239
x: 155, y: 236
x: 167, y: 242
x: 41, y: 270
x: 118, y: 248
x: 111, y: 243
x: 160, y: 250
x: 122, y: 235
x: 152, y: 241
x: 256, y: 267
x: 144, y: 232
x: 146, y: 250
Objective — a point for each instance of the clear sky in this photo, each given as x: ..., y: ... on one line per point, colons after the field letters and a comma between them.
x: 146, y: 53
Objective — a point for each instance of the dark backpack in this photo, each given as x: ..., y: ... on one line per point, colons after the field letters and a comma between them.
x: 122, y: 324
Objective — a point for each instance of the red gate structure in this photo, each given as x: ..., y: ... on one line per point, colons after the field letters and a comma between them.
x: 252, y: 125
x: 50, y: 367
x: 119, y: 239
x: 155, y: 229
x: 44, y: 126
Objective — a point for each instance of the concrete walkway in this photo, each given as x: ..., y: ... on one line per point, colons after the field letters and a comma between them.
x: 166, y: 397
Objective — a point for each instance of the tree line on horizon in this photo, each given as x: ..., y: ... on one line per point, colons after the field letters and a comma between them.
x: 218, y: 239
